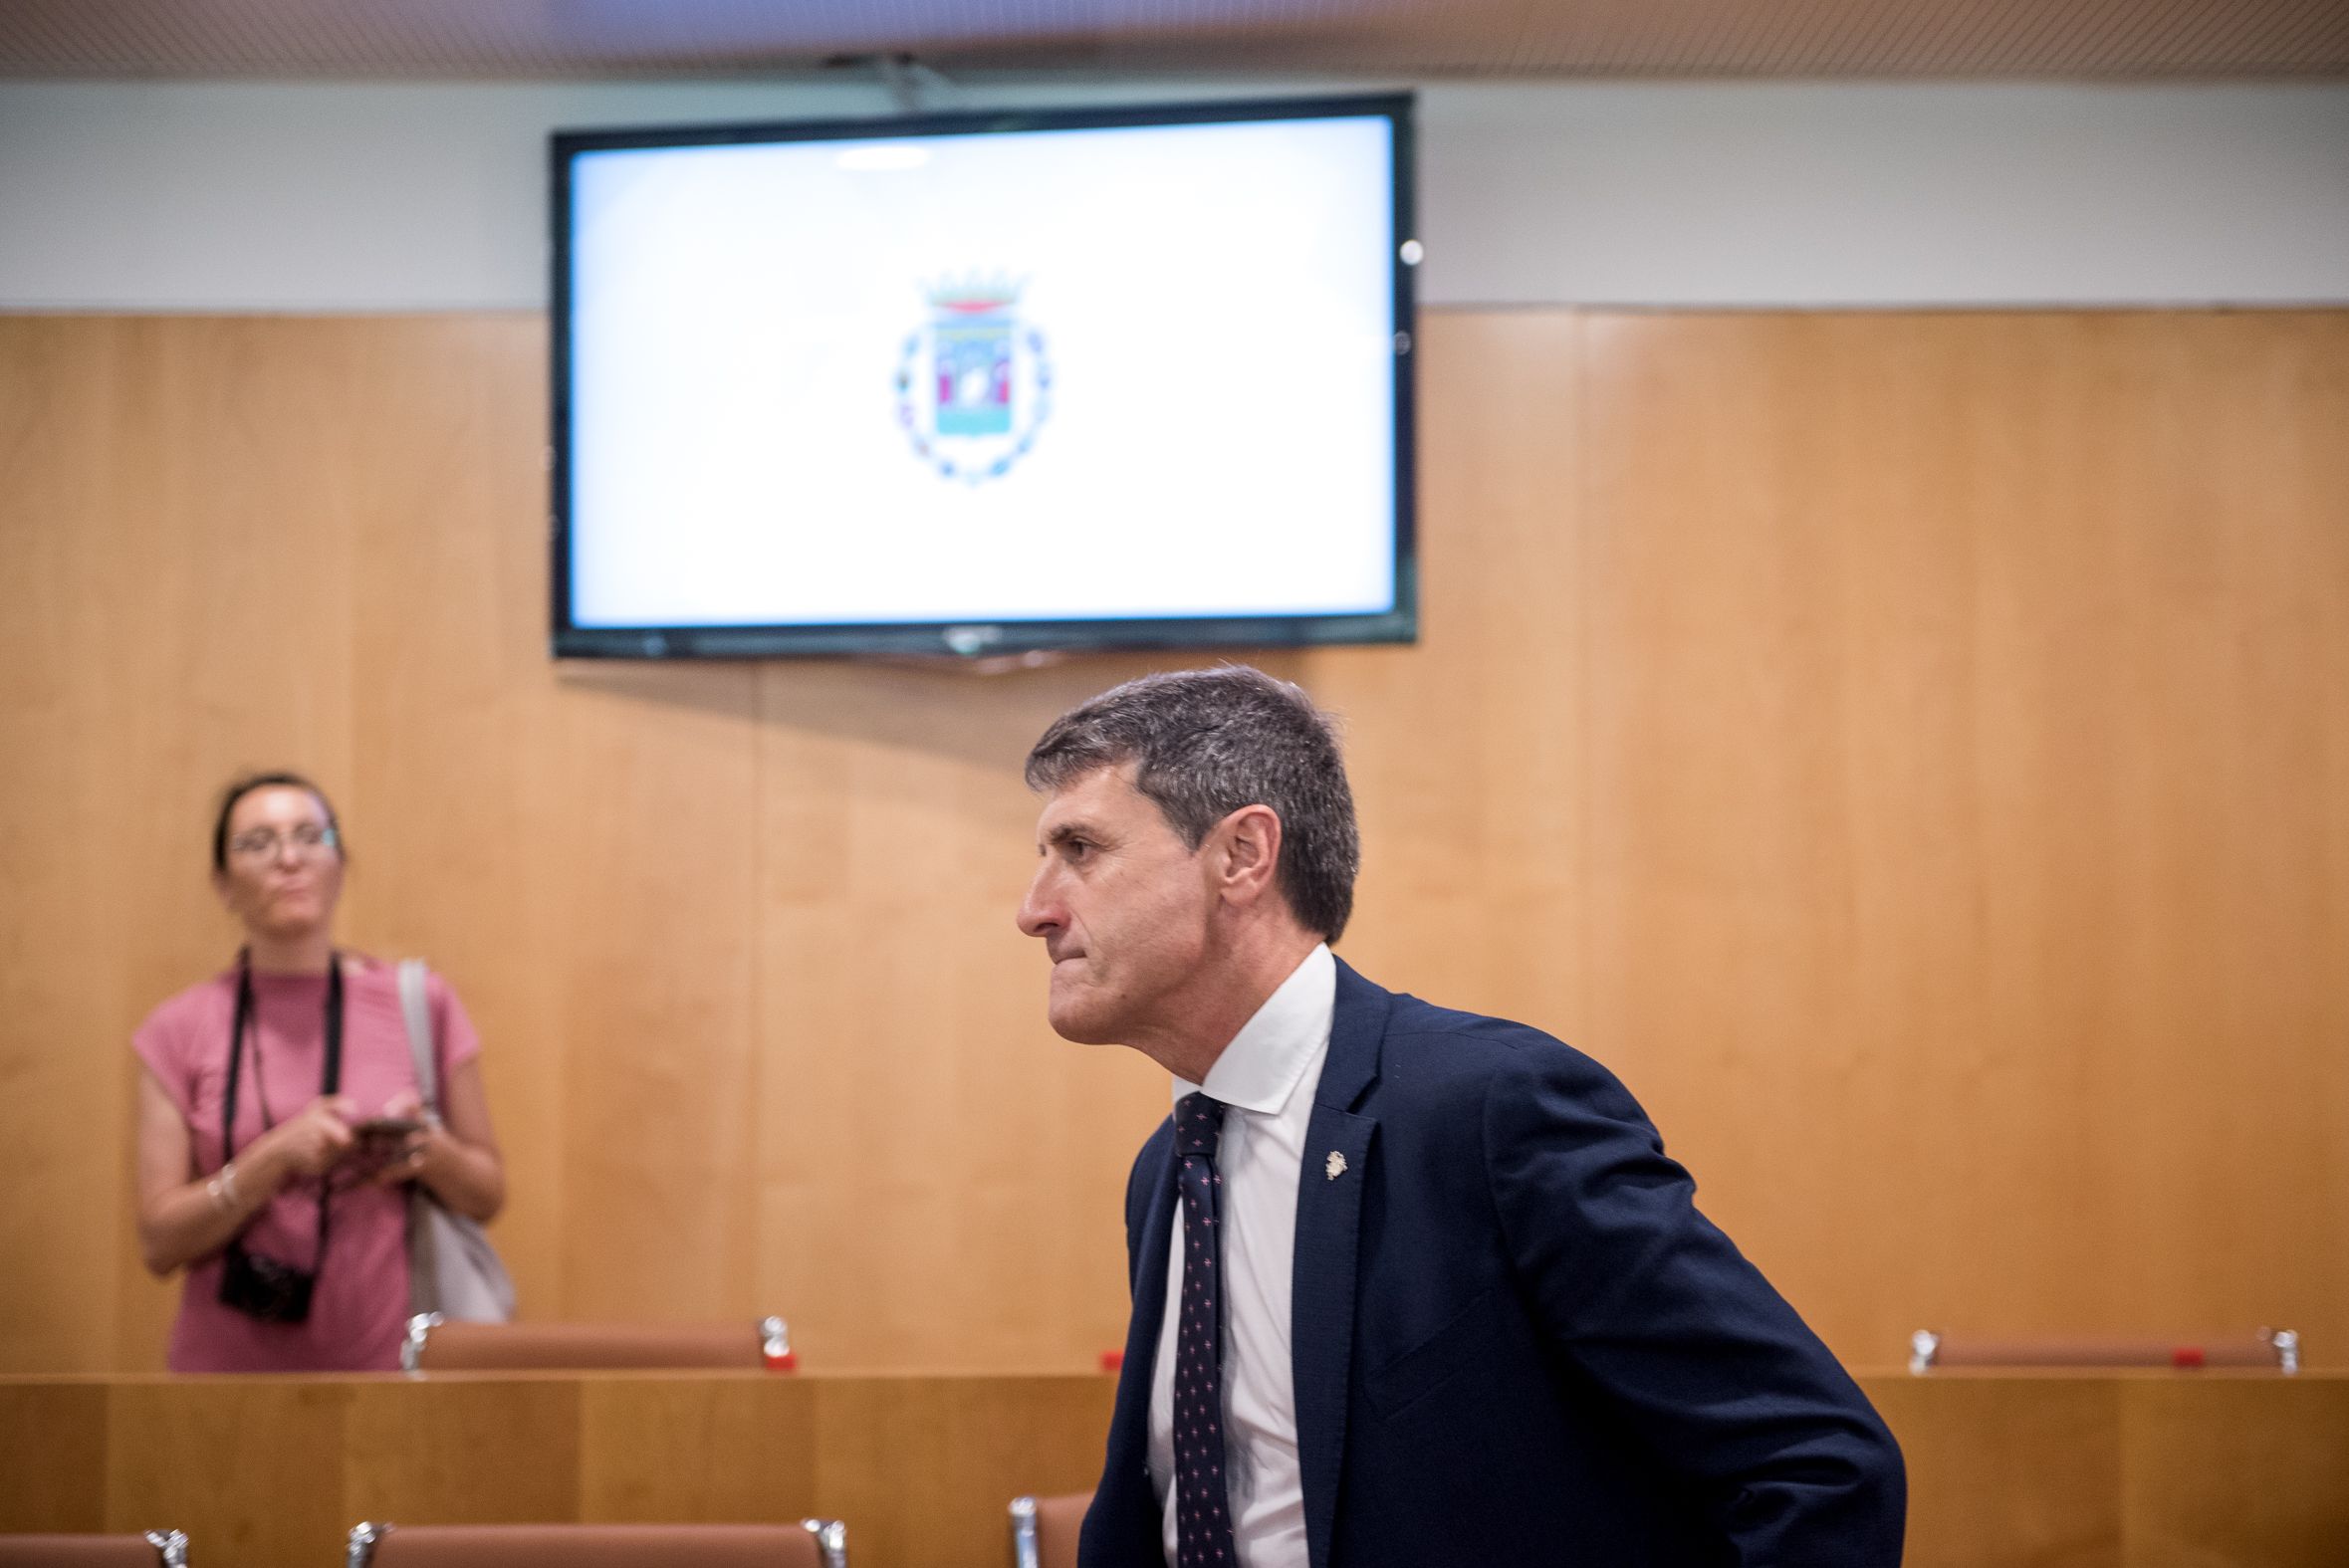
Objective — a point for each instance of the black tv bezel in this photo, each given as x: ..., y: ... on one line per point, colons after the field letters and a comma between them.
x: 987, y: 639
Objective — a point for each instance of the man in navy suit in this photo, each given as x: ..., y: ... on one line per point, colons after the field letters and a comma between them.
x: 1411, y: 1287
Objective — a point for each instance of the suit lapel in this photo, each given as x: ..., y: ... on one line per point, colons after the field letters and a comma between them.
x: 1338, y: 1158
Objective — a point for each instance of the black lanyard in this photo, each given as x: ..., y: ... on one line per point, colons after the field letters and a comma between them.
x: 330, y: 1080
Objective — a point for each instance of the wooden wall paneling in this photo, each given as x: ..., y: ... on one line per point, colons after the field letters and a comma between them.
x: 2130, y: 1469
x: 237, y: 560
x: 1730, y: 937
x: 2008, y: 1472
x: 454, y: 709
x: 456, y: 1450
x: 1908, y: 748
x: 647, y: 775
x: 940, y: 1175
x: 2233, y: 1471
x: 924, y: 1469
x: 62, y: 1026
x: 2187, y: 940
x: 250, y: 1467
x: 2236, y: 661
x: 670, y: 1449
x: 54, y: 1437
x: 1905, y: 637
x: 2068, y: 689
x: 2089, y: 630
x: 935, y: 1154
x: 1466, y: 750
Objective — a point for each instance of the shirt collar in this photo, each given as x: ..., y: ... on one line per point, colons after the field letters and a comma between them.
x: 1263, y: 1066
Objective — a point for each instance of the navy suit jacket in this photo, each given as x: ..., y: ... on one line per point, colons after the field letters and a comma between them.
x: 1515, y: 1338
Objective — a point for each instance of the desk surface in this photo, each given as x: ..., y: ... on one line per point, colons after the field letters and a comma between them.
x: 2126, y: 1469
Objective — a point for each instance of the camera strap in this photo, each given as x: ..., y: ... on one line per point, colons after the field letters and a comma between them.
x: 330, y: 1079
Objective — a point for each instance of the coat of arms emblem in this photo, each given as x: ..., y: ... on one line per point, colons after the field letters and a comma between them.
x: 974, y: 384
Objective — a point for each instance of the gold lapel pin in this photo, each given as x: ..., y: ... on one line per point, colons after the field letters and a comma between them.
x: 1336, y: 1166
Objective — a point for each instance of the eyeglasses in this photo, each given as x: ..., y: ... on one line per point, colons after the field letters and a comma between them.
x: 263, y: 843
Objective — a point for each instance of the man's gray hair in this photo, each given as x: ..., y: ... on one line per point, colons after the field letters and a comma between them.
x: 1207, y: 743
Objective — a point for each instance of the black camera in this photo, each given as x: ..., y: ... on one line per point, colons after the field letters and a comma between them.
x: 263, y: 1288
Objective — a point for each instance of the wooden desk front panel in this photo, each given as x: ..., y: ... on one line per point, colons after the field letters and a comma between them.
x: 2116, y: 1471
x: 272, y: 1472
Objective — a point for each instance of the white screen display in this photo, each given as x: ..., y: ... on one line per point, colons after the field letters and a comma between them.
x: 1052, y: 375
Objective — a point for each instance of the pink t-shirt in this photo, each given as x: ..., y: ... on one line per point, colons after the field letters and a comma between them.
x: 359, y: 1307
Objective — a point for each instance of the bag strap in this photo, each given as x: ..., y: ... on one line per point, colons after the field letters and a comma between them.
x: 416, y: 1008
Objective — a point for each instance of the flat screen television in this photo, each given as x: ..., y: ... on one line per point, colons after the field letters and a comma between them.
x: 986, y: 383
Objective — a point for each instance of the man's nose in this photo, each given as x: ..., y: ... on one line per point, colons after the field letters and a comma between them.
x: 1039, y: 913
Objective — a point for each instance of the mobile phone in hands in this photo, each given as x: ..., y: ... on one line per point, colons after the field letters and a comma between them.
x: 376, y: 1143
x: 386, y: 1129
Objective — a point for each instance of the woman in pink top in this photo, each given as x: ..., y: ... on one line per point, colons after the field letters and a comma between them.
x: 314, y: 1046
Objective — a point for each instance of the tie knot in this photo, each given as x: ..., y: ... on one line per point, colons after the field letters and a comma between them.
x: 1199, y: 1122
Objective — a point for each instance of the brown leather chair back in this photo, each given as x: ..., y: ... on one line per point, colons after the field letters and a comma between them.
x: 599, y: 1546
x: 155, y: 1549
x: 1045, y: 1529
x: 587, y: 1347
x: 2277, y: 1350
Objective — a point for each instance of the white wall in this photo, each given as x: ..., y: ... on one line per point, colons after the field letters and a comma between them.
x: 244, y: 196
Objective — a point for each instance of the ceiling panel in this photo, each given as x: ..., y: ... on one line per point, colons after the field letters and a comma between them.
x: 1578, y: 38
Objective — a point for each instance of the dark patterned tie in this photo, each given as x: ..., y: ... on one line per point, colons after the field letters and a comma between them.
x: 1203, y: 1514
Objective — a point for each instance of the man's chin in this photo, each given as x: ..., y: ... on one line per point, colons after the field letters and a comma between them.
x: 1082, y: 1027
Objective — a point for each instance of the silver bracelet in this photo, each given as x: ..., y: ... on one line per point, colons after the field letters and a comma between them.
x: 223, y: 1188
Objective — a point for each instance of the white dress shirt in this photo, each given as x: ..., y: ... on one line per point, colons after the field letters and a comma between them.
x: 1267, y: 1078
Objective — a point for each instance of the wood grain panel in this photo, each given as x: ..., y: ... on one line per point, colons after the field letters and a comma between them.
x: 56, y: 1444
x: 908, y: 1069
x: 1962, y: 763
x: 189, y: 1455
x: 1467, y: 750
x: 2009, y: 1474
x: 1911, y: 748
x: 61, y: 1079
x: 2112, y: 1471
x: 656, y: 1091
x: 968, y: 1447
x: 460, y: 786
x: 461, y: 1450
x: 658, y: 1449
x: 2233, y: 1471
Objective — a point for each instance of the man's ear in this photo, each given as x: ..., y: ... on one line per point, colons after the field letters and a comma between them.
x: 1248, y: 851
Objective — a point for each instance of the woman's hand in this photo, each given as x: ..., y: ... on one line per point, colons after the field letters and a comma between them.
x: 458, y: 1161
x: 184, y: 1217
x: 407, y: 1160
x: 311, y: 1142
